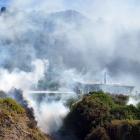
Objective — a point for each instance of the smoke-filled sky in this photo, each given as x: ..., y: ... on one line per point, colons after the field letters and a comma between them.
x: 107, y: 40
x: 99, y: 7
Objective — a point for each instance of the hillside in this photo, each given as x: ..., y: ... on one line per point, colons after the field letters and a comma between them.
x: 16, y: 123
x: 100, y: 116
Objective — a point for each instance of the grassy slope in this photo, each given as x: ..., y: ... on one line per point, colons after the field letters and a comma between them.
x: 15, y: 124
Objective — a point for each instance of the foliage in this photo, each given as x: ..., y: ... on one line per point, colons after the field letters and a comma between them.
x: 120, y: 99
x: 86, y: 114
x: 104, y: 98
x: 11, y: 105
x: 125, y: 112
x: 89, y: 117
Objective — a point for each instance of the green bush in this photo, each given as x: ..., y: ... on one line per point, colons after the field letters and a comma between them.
x: 104, y: 98
x: 85, y: 115
x: 120, y: 99
x: 124, y: 112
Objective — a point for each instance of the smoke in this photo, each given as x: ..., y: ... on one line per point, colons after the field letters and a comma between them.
x: 49, y: 114
x: 21, y: 79
x: 72, y: 41
x: 79, y: 45
x: 133, y: 101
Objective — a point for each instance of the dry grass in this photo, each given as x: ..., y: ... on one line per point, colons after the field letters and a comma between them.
x: 121, y: 122
x: 14, y: 123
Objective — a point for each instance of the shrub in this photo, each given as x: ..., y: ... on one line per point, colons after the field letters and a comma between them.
x: 120, y: 99
x: 104, y: 98
x: 124, y: 112
x: 85, y: 115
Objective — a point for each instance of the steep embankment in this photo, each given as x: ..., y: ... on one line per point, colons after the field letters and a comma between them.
x: 16, y: 123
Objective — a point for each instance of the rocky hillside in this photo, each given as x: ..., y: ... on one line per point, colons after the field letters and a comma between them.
x: 16, y: 122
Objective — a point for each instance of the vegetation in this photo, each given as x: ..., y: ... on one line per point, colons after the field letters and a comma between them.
x: 120, y: 99
x: 124, y: 130
x: 11, y: 105
x: 125, y: 112
x: 17, y: 122
x: 104, y: 98
x: 92, y: 117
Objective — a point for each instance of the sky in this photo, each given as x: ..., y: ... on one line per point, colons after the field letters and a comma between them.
x: 4, y: 2
x: 91, y: 8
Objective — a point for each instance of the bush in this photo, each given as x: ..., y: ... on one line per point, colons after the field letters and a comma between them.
x: 124, y: 112
x: 104, y: 98
x: 85, y: 115
x: 120, y: 99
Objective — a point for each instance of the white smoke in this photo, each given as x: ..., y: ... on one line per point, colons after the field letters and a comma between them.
x: 133, y: 101
x: 21, y: 79
x: 52, y: 115
x: 49, y: 115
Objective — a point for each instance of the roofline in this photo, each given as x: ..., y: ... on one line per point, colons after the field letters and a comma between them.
x: 119, y: 85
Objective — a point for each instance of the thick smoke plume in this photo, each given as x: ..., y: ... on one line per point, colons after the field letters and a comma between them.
x: 78, y: 44
x: 103, y: 41
x: 49, y: 114
x: 20, y: 79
